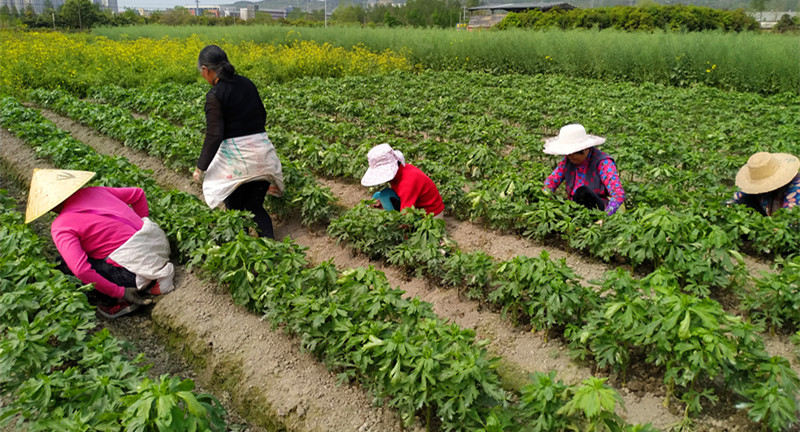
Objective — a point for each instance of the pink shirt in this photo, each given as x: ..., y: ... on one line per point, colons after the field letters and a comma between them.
x: 79, y: 235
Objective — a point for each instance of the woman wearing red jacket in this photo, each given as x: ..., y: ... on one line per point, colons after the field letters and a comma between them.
x: 409, y: 186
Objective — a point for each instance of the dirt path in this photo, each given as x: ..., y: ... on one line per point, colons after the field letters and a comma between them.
x: 260, y: 371
x: 523, y: 352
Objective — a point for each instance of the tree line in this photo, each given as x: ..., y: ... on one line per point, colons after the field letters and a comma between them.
x: 73, y: 14
x: 647, y: 15
x: 682, y: 18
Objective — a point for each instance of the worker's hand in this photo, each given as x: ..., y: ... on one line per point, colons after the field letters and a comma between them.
x: 599, y: 222
x: 132, y: 296
x: 377, y: 205
x: 197, y: 175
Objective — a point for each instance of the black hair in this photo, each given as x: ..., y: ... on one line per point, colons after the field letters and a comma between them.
x: 215, y: 59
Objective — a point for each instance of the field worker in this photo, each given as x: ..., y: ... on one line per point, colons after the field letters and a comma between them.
x: 410, y: 187
x: 590, y: 175
x: 239, y: 161
x: 105, y: 238
x: 768, y: 182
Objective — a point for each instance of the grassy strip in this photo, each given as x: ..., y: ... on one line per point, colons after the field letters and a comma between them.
x: 59, y: 372
x: 761, y: 63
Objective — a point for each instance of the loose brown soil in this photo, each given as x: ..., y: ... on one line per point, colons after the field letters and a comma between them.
x: 522, y: 351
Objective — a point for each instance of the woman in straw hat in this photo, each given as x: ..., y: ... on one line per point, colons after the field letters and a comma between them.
x: 410, y: 187
x: 590, y: 175
x: 105, y: 238
x: 768, y: 182
x: 238, y: 159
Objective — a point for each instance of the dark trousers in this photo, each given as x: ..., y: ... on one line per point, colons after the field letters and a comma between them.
x: 588, y: 198
x: 250, y: 196
x: 118, y: 275
x: 754, y: 202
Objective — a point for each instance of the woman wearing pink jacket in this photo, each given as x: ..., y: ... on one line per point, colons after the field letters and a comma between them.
x: 105, y: 238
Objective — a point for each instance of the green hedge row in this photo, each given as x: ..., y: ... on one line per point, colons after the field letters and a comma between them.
x: 681, y: 18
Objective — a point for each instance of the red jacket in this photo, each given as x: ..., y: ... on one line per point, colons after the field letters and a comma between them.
x: 417, y: 190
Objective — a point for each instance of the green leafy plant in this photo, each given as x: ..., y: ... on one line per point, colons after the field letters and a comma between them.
x: 546, y: 292
x: 775, y: 297
x: 170, y: 404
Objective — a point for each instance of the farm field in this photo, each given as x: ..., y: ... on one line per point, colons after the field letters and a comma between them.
x: 532, y: 275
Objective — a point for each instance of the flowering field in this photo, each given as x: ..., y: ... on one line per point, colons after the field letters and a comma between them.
x: 77, y: 62
x: 680, y: 307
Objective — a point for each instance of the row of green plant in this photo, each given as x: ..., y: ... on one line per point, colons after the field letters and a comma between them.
x: 690, y: 340
x: 775, y: 298
x: 676, y: 239
x: 657, y: 167
x: 677, y: 17
x: 353, y: 320
x: 701, y: 252
x: 747, y: 61
x: 693, y: 341
x: 670, y: 185
x: 179, y: 148
x: 59, y: 371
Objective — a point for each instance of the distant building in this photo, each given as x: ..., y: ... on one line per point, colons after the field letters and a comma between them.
x: 249, y: 12
x: 206, y: 10
x: 229, y: 11
x: 479, y: 18
x: 767, y: 20
x: 22, y: 5
x: 109, y: 5
x: 278, y: 14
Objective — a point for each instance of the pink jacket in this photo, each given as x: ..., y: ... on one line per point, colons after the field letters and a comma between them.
x: 79, y: 235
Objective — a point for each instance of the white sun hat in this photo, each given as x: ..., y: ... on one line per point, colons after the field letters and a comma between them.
x: 765, y: 172
x: 50, y: 187
x: 571, y: 138
x: 382, y: 165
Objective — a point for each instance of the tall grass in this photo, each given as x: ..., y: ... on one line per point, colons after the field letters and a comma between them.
x: 763, y: 63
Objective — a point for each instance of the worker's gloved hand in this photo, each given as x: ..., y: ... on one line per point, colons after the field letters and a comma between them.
x: 132, y: 296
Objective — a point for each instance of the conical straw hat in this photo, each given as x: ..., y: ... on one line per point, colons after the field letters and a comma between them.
x: 50, y: 187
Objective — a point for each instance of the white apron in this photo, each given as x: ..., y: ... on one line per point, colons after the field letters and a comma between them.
x: 146, y: 254
x: 241, y: 160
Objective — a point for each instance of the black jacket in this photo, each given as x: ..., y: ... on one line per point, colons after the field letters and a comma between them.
x: 233, y: 109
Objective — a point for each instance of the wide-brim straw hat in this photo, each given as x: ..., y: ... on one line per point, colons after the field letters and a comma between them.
x: 383, y: 167
x: 765, y: 172
x: 572, y: 138
x: 50, y: 187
